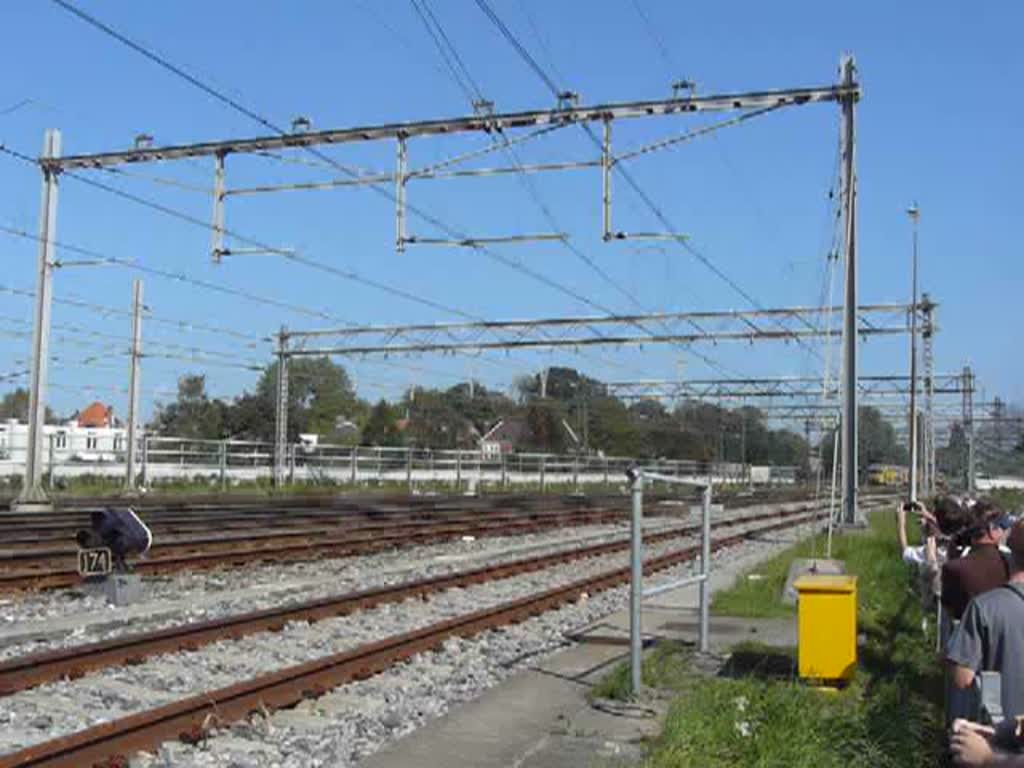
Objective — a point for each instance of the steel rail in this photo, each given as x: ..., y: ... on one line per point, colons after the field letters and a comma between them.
x: 190, y: 719
x: 340, y: 547
x: 255, y: 537
x: 45, y: 576
x: 28, y: 671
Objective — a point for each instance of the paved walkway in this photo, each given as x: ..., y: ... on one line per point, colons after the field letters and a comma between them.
x: 541, y: 718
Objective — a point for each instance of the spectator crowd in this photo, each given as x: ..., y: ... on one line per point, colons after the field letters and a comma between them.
x: 970, y: 569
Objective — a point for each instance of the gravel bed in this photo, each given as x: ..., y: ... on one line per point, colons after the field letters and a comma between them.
x: 56, y: 619
x: 203, y: 596
x: 356, y: 720
x: 66, y: 706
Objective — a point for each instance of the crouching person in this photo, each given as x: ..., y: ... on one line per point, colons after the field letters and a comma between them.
x: 120, y: 530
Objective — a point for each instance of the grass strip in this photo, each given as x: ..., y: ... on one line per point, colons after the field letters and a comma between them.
x: 888, y: 717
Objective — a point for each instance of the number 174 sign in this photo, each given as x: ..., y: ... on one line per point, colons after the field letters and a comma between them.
x: 94, y: 562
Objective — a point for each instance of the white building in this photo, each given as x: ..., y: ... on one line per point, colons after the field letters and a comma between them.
x: 90, y: 437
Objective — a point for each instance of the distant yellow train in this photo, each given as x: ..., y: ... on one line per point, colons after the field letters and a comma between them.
x: 888, y: 474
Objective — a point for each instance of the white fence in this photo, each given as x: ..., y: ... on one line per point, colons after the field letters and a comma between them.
x: 227, y: 462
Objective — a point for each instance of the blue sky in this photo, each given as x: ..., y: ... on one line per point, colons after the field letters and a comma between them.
x: 937, y: 124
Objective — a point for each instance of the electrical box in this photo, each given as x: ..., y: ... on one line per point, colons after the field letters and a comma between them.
x: 827, y: 626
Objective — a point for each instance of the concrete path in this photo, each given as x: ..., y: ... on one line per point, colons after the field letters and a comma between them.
x: 541, y: 718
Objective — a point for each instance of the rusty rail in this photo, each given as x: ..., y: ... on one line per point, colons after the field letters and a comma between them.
x: 364, y: 542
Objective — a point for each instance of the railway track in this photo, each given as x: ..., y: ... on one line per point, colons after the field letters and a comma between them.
x: 189, y: 719
x: 196, y: 518
x: 41, y: 566
x: 46, y: 572
x: 36, y: 669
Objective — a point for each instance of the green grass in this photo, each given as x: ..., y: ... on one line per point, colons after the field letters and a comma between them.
x: 871, y: 555
x: 666, y: 666
x: 888, y: 717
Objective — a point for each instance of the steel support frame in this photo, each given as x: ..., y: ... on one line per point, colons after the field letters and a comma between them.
x: 850, y: 511
x: 402, y: 162
x: 811, y: 388
x: 968, y: 423
x: 489, y: 123
x: 928, y: 359
x: 914, y: 437
x: 134, y: 384
x: 577, y: 332
x: 32, y: 496
x: 217, y: 249
x: 281, y: 409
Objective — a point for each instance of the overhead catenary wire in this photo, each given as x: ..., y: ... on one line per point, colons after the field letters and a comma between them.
x: 195, y: 221
x: 515, y: 264
x: 620, y: 168
x: 449, y: 53
x: 83, y: 331
x: 177, y: 276
x: 655, y: 35
x: 132, y: 264
x: 534, y: 193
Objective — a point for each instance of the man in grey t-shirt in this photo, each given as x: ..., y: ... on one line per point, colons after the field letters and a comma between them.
x: 990, y: 636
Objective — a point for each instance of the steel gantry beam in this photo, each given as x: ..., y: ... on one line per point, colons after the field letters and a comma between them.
x: 789, y: 323
x: 681, y: 104
x: 784, y: 387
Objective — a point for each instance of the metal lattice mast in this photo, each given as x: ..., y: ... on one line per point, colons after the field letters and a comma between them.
x: 928, y: 360
x: 850, y: 514
x: 968, y: 418
x: 32, y: 496
x: 281, y: 409
x: 915, y: 216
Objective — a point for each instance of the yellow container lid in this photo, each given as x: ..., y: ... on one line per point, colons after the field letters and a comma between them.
x: 825, y: 582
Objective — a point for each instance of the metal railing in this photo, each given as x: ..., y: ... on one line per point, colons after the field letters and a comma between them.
x: 638, y: 479
x: 161, y: 458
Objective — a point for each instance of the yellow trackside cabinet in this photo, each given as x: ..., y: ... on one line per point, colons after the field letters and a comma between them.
x: 828, y: 626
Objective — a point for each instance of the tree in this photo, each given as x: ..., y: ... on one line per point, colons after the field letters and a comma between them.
x: 320, y: 397
x: 609, y: 427
x: 876, y: 442
x: 952, y: 459
x: 434, y: 423
x: 564, y: 384
x: 482, y: 408
x: 545, y: 430
x: 381, y: 426
x: 15, y: 406
x: 193, y: 414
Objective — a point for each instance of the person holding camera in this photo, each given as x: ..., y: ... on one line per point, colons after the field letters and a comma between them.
x: 981, y: 566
